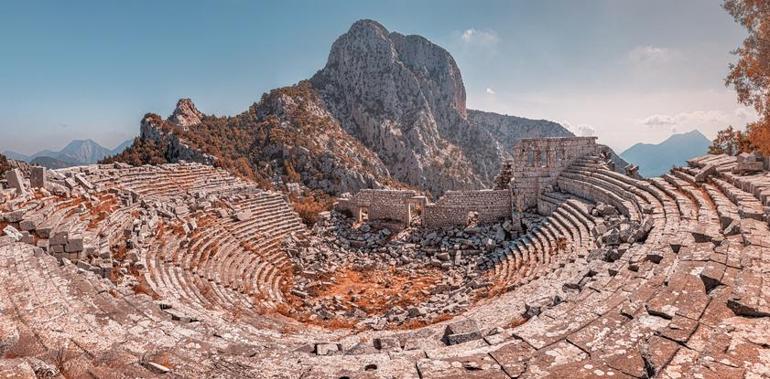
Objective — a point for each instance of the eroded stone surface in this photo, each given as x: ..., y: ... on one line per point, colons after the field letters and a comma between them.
x: 185, y: 270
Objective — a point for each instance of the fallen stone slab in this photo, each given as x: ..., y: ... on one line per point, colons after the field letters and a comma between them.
x: 748, y: 306
x: 390, y: 344
x: 28, y: 224
x: 157, y: 368
x: 705, y: 172
x: 15, y: 216
x: 59, y: 238
x: 461, y: 332
x: 70, y: 183
x: 74, y: 244
x: 84, y: 182
x: 12, y: 232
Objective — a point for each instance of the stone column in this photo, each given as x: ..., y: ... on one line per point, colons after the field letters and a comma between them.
x: 38, y: 177
x: 15, y: 180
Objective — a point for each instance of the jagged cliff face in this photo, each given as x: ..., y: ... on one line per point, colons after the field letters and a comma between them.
x: 386, y: 110
x: 404, y: 98
x: 186, y: 114
x: 153, y: 128
x: 398, y: 95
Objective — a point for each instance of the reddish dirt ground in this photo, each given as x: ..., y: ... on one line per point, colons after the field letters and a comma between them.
x: 373, y: 291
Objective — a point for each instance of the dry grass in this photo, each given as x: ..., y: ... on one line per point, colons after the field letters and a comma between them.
x: 61, y: 357
x: 517, y: 322
x: 561, y: 244
x: 417, y: 323
x: 119, y: 252
x: 74, y: 202
x: 310, y: 206
x: 161, y: 231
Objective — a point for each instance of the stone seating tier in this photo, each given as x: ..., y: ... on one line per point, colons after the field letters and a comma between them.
x: 690, y: 301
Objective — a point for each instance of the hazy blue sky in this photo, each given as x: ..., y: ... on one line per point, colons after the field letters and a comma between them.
x: 627, y: 71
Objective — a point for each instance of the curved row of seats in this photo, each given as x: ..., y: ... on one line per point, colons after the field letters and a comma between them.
x: 661, y: 310
x: 655, y: 316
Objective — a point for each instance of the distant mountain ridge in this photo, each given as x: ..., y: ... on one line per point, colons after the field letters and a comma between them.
x: 657, y: 159
x: 76, y: 153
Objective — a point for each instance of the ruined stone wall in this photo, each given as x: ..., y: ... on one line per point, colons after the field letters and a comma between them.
x: 453, y: 208
x: 538, y: 162
x: 380, y: 204
x: 536, y: 166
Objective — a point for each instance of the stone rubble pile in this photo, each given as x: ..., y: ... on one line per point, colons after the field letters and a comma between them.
x: 616, y: 234
x: 456, y: 252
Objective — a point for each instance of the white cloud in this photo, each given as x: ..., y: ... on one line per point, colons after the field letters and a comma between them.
x: 479, y: 37
x: 652, y: 55
x: 658, y: 120
x: 686, y: 118
x: 580, y: 130
x: 490, y: 91
x: 745, y: 113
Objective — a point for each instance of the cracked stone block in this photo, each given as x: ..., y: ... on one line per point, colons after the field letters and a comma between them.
x: 12, y: 232
x: 242, y: 216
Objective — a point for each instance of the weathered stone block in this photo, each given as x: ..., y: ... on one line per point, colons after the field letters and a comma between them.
x: 74, y: 244
x: 16, y: 180
x: 59, y: 238
x: 37, y: 177
x: 461, y: 331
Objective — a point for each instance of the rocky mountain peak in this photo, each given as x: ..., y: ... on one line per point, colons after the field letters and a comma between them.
x: 393, y: 73
x: 403, y: 97
x: 186, y: 114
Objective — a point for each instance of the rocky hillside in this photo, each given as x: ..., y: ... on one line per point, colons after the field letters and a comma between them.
x: 386, y: 110
x: 285, y: 138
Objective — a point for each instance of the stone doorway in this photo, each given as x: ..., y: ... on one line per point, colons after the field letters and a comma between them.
x: 363, y: 214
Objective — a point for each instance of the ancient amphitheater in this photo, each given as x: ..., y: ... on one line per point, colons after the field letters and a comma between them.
x: 183, y: 270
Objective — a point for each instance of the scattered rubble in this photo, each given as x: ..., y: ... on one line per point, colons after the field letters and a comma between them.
x: 446, y: 264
